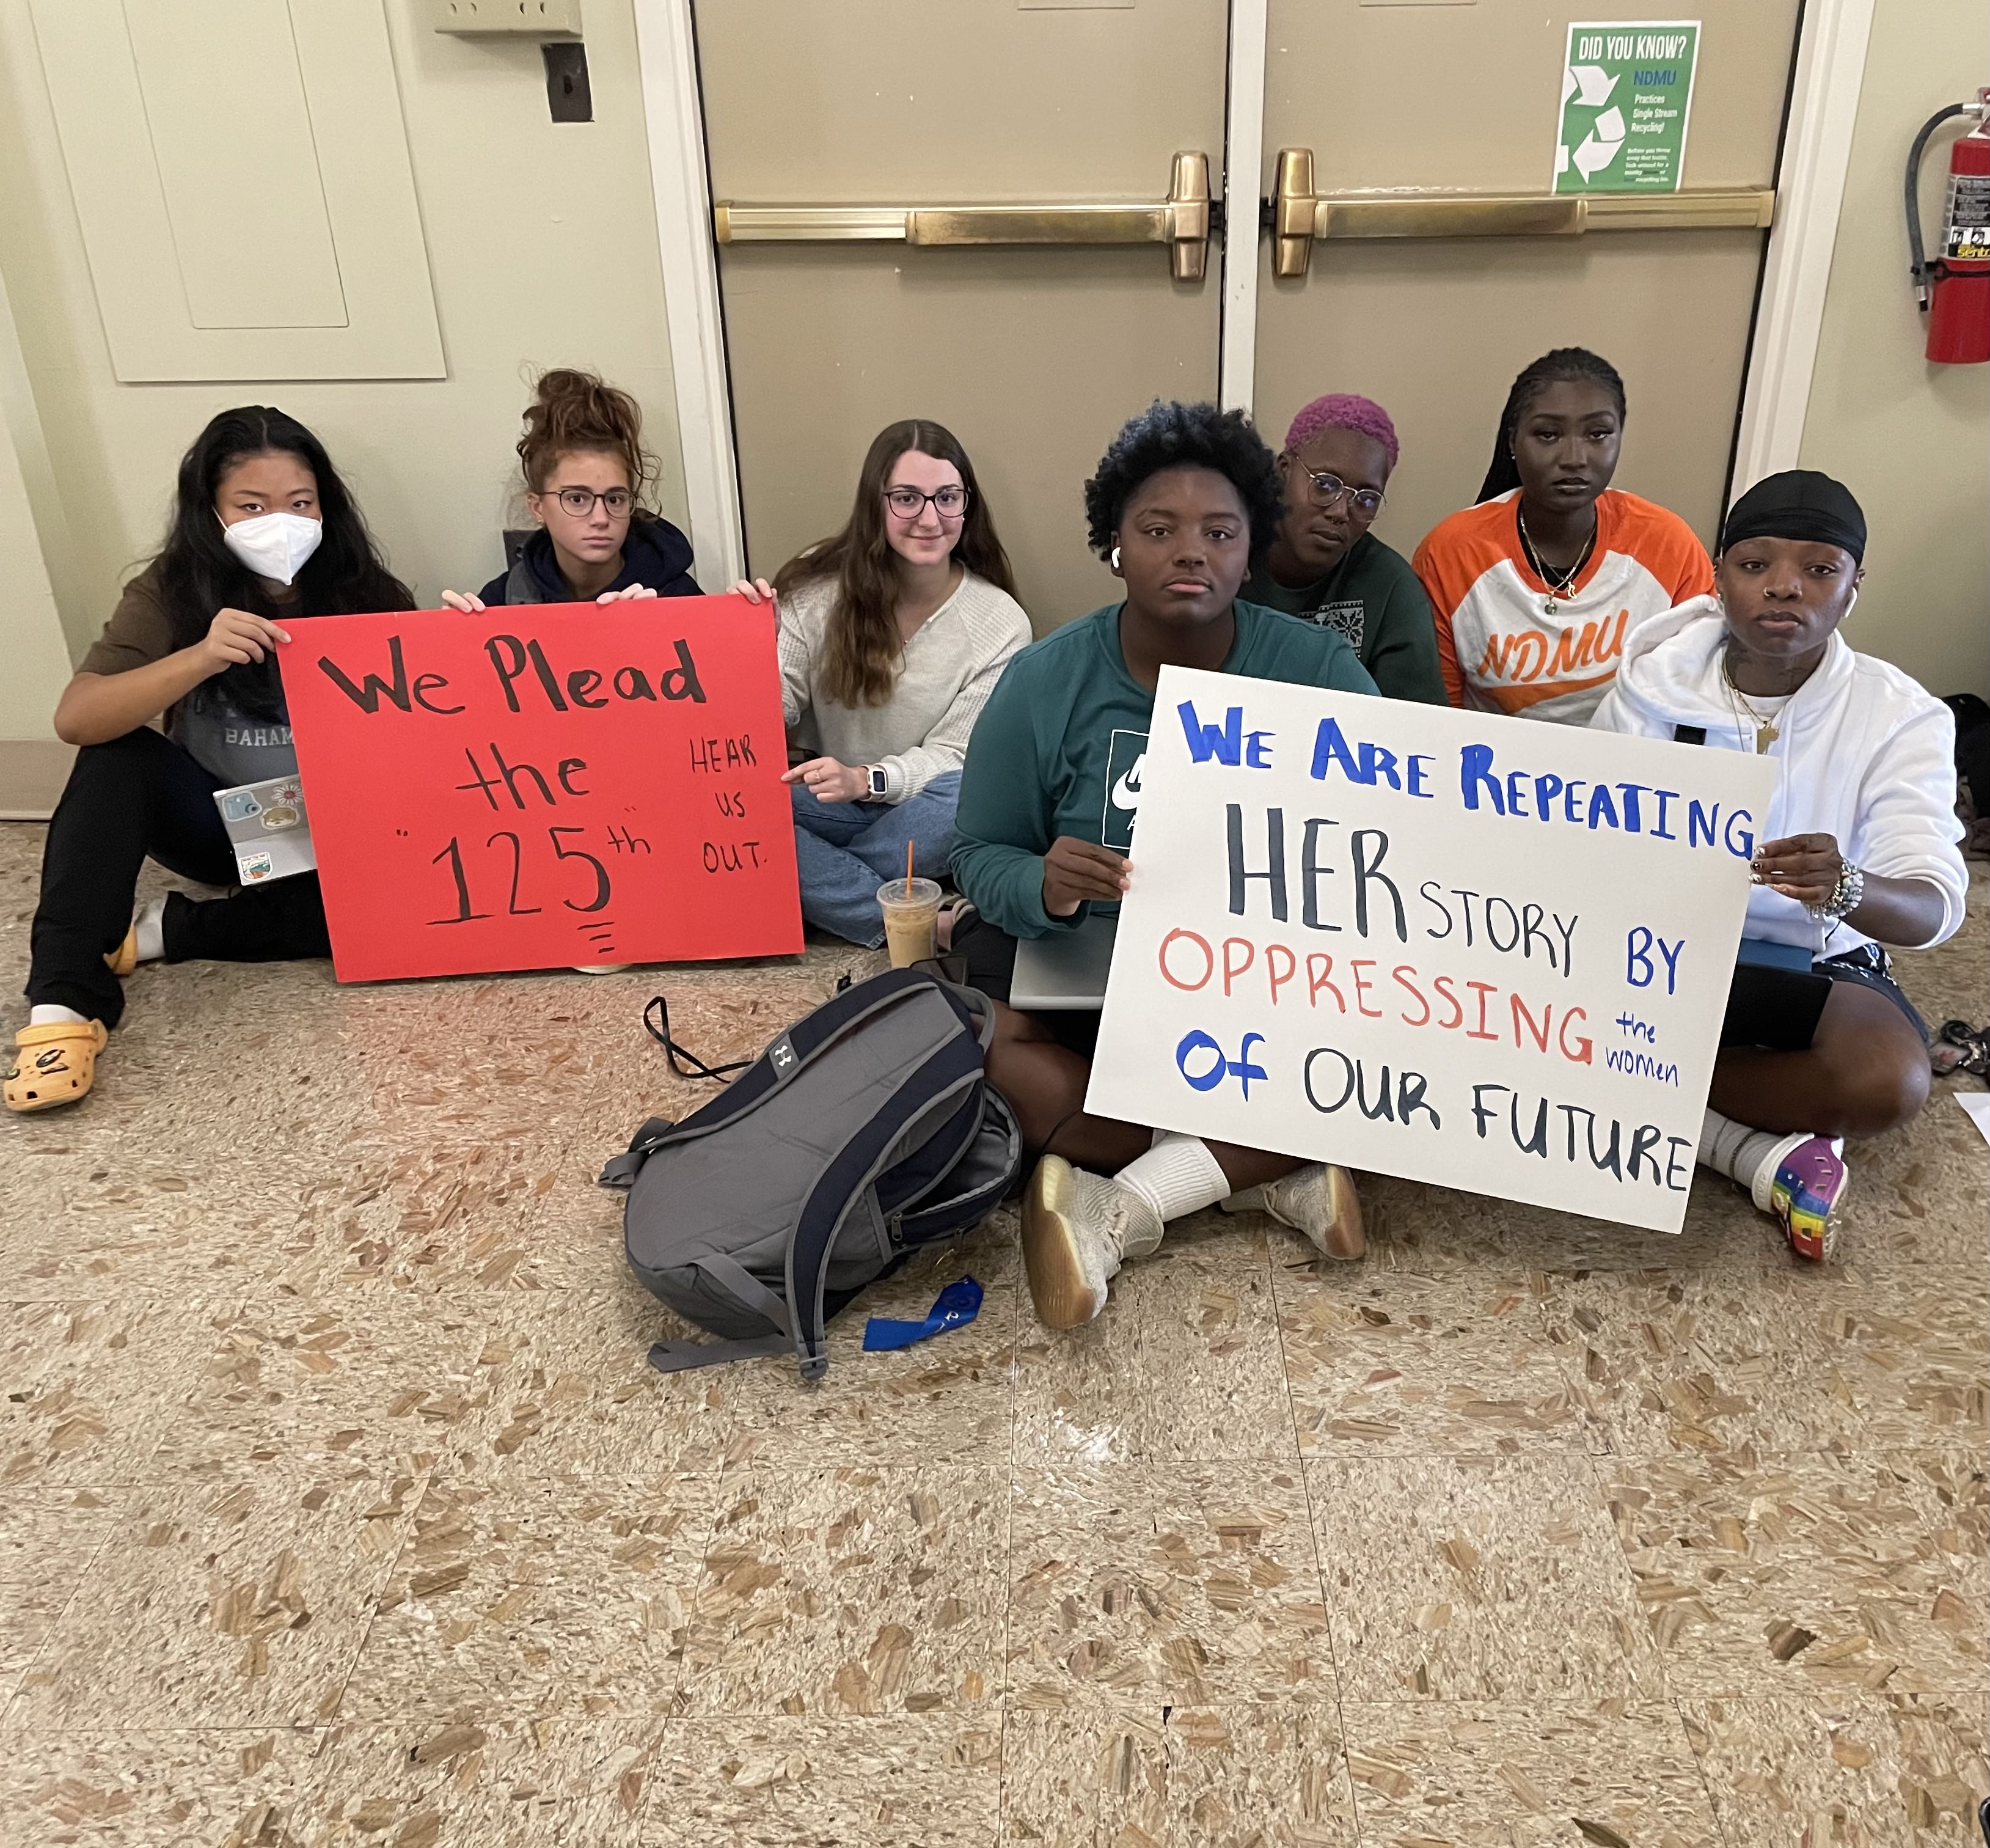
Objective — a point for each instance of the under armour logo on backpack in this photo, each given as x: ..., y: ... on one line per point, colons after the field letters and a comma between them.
x: 783, y: 1056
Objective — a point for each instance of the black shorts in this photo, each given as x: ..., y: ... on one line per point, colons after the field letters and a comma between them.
x: 989, y: 955
x: 1779, y: 1009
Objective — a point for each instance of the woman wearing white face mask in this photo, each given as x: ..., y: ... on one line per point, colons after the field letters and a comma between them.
x: 263, y: 528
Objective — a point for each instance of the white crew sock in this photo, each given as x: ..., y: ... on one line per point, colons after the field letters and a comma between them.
x: 1177, y: 1175
x: 1751, y: 1157
x: 150, y: 926
x: 46, y: 1014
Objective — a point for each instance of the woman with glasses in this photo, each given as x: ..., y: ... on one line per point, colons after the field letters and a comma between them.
x: 586, y: 469
x: 1183, y: 501
x: 1325, y: 564
x: 1535, y: 588
x: 893, y: 633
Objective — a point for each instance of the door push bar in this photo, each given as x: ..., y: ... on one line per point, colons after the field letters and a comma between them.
x: 1181, y: 220
x: 1298, y: 216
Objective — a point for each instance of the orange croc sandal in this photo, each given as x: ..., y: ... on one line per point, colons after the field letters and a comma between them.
x: 124, y: 958
x: 53, y: 1064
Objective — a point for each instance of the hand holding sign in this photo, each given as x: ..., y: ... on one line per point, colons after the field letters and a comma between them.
x: 1804, y: 868
x: 534, y: 787
x: 1075, y: 871
x: 1470, y: 949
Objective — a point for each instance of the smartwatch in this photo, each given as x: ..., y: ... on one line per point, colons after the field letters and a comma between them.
x: 880, y: 783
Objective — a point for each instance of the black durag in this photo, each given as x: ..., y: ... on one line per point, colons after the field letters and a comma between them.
x: 1798, y: 503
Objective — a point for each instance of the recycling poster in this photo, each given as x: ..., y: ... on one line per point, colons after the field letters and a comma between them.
x: 1626, y: 99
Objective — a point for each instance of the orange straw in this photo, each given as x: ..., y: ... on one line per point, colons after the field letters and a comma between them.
x: 909, y: 871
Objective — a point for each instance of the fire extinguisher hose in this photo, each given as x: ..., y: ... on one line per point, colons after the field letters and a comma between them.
x: 1919, y: 268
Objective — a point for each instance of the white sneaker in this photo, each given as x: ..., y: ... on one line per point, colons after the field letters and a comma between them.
x: 601, y: 968
x: 1077, y: 1227
x: 1319, y: 1201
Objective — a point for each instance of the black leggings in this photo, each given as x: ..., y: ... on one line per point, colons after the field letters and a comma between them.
x: 141, y: 797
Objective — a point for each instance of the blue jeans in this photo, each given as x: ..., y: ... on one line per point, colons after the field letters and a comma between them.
x: 847, y: 850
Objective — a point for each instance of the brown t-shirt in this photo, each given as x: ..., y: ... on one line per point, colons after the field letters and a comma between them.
x: 228, y: 743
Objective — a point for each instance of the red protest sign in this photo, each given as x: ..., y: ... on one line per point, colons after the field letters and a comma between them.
x: 534, y: 787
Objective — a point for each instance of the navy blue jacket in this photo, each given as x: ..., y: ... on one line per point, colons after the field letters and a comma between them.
x: 655, y: 555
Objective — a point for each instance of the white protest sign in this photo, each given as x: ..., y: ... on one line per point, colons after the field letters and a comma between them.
x: 1484, y: 952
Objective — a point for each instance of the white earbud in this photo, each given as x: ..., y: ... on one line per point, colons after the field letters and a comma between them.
x: 1114, y: 561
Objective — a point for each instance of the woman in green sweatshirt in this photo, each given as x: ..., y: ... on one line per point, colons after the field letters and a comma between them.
x: 1183, y: 500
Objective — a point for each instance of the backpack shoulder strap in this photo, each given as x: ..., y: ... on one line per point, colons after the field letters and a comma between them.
x: 855, y: 1166
x: 739, y: 1283
x: 792, y: 1053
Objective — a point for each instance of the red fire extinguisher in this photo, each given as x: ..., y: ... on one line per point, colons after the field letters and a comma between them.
x: 1955, y: 289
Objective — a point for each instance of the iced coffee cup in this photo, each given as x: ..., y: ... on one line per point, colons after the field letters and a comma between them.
x: 911, y: 920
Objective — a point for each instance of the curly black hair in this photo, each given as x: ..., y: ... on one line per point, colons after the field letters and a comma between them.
x: 1186, y: 435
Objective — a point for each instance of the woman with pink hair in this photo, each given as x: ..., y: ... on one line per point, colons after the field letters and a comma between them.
x: 1326, y: 567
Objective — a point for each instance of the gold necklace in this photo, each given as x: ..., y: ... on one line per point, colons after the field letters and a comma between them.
x: 1767, y: 730
x: 1555, y: 589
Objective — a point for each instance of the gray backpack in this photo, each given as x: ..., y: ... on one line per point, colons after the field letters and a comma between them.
x: 866, y: 1130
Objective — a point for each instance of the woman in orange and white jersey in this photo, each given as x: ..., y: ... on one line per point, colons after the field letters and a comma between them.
x: 1534, y: 588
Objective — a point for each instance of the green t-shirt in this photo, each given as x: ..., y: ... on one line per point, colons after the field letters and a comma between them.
x: 1059, y: 748
x: 1374, y: 599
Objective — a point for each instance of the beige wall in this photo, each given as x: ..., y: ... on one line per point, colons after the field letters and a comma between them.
x: 1911, y: 439
x: 541, y: 244
x: 31, y: 763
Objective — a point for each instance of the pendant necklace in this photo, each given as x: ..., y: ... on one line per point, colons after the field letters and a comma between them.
x: 1767, y: 730
x: 1558, y: 589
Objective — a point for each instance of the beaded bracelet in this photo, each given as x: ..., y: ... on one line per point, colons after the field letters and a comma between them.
x: 1844, y: 895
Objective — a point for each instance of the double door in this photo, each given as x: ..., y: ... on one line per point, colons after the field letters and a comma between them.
x: 1028, y: 219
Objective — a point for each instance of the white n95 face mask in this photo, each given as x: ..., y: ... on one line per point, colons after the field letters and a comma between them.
x: 274, y: 545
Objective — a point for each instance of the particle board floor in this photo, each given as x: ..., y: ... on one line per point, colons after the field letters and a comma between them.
x: 337, y: 1506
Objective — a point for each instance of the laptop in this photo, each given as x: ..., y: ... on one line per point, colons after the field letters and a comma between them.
x: 1065, y: 972
x: 269, y: 828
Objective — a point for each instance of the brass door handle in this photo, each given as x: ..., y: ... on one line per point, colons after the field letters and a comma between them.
x: 1180, y: 221
x: 1299, y: 216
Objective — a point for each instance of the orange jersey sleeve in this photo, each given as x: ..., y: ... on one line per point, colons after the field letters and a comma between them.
x: 1663, y: 543
x: 1456, y: 553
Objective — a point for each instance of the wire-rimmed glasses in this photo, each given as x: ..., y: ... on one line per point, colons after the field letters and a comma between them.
x: 579, y: 502
x: 1328, y: 488
x: 949, y: 502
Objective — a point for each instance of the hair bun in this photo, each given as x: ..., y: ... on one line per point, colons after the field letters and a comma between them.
x: 574, y: 409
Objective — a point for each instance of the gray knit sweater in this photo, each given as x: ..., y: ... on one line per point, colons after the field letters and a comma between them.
x: 947, y: 671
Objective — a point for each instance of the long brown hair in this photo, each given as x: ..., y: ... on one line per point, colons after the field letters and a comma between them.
x: 863, y: 647
x: 576, y: 410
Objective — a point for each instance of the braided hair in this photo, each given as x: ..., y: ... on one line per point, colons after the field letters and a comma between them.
x: 1186, y: 435
x: 1565, y: 365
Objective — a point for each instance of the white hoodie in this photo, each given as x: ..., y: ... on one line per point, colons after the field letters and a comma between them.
x: 1866, y: 755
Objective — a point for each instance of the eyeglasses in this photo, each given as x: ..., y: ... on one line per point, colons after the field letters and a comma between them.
x: 908, y: 503
x: 1327, y: 489
x: 579, y: 502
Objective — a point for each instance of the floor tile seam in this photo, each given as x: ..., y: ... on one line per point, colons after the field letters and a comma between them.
x: 1771, y: 1458
x: 1312, y: 1521
x: 372, y: 1605
x: 1592, y: 1430
x: 12, y: 1734
x: 234, y: 1294
x: 1319, y: 1560
x: 1701, y: 1771
x: 748, y: 1466
x: 1635, y: 1612
x: 55, y: 1624
x: 1008, y: 1597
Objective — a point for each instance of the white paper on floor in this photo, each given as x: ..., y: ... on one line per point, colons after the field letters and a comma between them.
x: 1977, y: 1104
